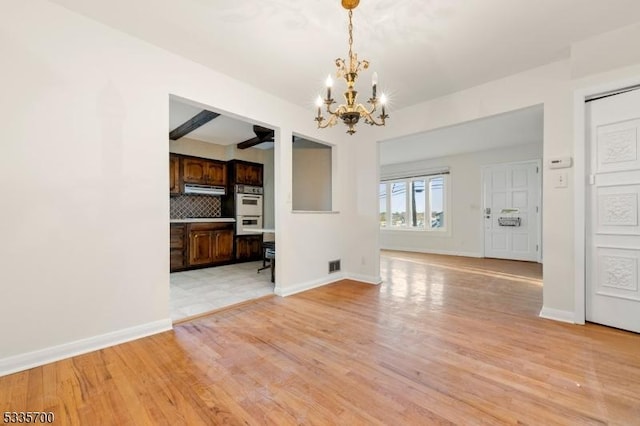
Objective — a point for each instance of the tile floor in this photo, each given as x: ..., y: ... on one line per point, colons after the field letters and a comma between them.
x: 202, y: 290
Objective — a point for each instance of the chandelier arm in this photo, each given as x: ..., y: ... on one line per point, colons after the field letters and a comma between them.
x: 363, y: 109
x: 324, y: 123
x: 337, y: 111
x: 370, y: 119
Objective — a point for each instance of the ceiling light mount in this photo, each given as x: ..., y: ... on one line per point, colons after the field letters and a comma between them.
x: 351, y: 112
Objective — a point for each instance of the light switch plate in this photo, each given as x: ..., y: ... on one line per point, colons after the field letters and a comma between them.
x: 560, y: 180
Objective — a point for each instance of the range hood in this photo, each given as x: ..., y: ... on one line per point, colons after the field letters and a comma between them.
x: 194, y: 189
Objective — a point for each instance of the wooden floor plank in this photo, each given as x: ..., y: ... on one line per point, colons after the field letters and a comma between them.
x: 444, y: 340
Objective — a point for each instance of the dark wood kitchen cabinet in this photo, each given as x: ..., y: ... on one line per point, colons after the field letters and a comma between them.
x: 210, y: 243
x: 248, y: 247
x: 178, y: 246
x: 204, y: 172
x: 245, y: 173
x: 175, y: 187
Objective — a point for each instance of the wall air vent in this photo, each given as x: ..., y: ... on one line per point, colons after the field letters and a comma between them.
x: 334, y: 266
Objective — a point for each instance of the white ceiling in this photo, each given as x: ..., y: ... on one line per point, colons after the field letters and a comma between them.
x: 519, y: 127
x: 421, y: 48
x: 222, y: 130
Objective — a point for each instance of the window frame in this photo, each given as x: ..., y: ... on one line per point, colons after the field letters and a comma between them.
x: 409, y: 195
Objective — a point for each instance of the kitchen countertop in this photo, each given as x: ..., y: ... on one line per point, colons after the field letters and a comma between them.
x: 203, y: 219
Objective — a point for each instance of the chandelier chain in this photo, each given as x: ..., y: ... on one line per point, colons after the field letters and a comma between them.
x: 350, y: 40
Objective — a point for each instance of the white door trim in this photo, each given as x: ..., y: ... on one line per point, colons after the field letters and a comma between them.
x: 580, y: 179
x: 483, y: 171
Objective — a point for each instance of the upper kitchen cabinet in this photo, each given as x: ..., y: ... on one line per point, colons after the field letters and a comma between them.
x: 174, y: 175
x: 245, y: 173
x: 204, y: 172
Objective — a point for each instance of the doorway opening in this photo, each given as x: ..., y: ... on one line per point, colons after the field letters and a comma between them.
x: 221, y: 206
x: 507, y: 148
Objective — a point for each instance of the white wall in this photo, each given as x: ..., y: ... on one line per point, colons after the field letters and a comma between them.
x: 612, y: 50
x: 214, y: 151
x: 311, y: 179
x: 197, y: 148
x: 269, y: 220
x: 84, y: 255
x: 464, y: 236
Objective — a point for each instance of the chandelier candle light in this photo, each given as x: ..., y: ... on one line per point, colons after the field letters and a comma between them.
x: 351, y: 112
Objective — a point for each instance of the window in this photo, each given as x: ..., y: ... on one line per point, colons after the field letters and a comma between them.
x: 417, y: 203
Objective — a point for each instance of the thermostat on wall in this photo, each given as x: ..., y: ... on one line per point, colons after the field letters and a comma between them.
x: 559, y: 163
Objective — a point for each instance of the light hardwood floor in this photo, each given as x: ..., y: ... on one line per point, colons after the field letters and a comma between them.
x: 443, y: 340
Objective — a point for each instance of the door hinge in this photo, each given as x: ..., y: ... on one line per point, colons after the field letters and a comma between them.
x: 537, y: 211
x: 592, y: 179
x: 537, y: 169
x: 536, y: 247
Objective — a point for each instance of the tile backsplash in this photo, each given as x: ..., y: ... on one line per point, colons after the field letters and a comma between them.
x: 189, y: 206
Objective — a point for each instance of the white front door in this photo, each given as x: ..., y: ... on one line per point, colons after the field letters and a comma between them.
x: 511, y: 195
x: 613, y: 230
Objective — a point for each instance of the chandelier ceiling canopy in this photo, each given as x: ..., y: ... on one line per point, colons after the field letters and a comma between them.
x: 351, y: 111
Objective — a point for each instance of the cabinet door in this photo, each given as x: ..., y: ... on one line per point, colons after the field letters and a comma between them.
x: 216, y: 174
x: 177, y: 246
x: 223, y: 245
x: 242, y: 249
x: 174, y: 175
x: 177, y: 231
x: 248, y: 247
x: 201, y: 247
x: 194, y: 170
x: 240, y: 173
x: 177, y: 260
x: 254, y: 174
x: 248, y: 174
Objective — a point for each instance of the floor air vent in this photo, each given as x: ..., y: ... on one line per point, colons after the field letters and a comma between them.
x: 334, y: 266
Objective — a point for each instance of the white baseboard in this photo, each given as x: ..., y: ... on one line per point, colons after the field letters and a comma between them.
x: 28, y: 360
x: 435, y: 251
x: 557, y: 315
x: 365, y: 278
x: 283, y: 292
x: 324, y: 281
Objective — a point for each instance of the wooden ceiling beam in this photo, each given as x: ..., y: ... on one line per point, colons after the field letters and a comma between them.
x: 263, y: 134
x: 198, y: 120
x: 250, y: 143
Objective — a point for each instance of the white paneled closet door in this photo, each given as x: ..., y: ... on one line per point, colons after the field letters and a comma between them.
x: 613, y: 229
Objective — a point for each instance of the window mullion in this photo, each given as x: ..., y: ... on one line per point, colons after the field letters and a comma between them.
x: 407, y: 209
x: 388, y: 201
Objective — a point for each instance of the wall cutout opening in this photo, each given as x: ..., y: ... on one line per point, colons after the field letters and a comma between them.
x: 312, y: 176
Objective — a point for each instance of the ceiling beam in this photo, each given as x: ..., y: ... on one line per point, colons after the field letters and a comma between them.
x: 263, y: 134
x: 250, y: 143
x: 200, y: 119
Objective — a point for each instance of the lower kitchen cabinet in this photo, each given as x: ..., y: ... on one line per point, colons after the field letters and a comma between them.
x: 210, y: 243
x: 178, y: 246
x: 248, y: 247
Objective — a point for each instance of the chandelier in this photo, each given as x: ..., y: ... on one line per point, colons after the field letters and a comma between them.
x: 351, y: 112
